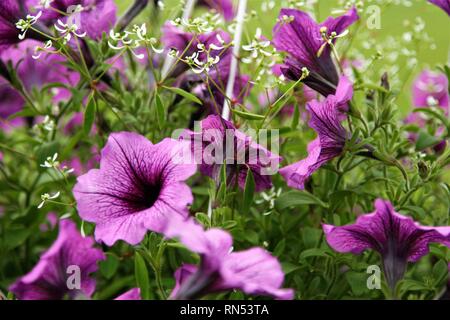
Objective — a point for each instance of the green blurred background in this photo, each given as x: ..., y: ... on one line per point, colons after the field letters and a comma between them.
x: 430, y: 46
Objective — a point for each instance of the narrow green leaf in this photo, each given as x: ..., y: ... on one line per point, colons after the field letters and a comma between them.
x: 89, y: 115
x: 141, y: 275
x: 249, y: 191
x: 247, y: 115
x: 297, y: 198
x: 184, y: 94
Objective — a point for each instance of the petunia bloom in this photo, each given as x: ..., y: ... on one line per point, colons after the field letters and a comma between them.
x: 138, y: 186
x: 326, y: 120
x: 132, y: 294
x: 443, y: 4
x: 224, y: 7
x: 302, y: 39
x: 397, y: 238
x: 219, y: 142
x: 431, y: 89
x: 254, y: 271
x: 64, y: 270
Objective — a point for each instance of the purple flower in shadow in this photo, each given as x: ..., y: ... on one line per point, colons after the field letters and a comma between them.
x: 138, y: 186
x: 70, y: 255
x: 397, y: 238
x: 443, y: 4
x: 218, y: 142
x: 254, y: 271
x: 301, y: 38
x: 326, y: 120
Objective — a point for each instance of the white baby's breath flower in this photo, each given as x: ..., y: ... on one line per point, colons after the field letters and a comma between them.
x: 38, y: 50
x: 24, y: 25
x: 67, y: 30
x: 45, y: 197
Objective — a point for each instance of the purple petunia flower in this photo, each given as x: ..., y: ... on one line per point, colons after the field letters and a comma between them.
x: 132, y: 294
x: 431, y: 89
x: 254, y: 271
x: 50, y: 279
x: 301, y: 38
x: 326, y: 118
x: 397, y: 238
x: 443, y: 4
x: 225, y: 7
x: 138, y: 186
x: 218, y: 142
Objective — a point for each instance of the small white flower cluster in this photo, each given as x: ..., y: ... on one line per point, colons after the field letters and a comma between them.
x: 67, y: 30
x: 269, y: 197
x: 38, y: 50
x: 131, y: 40
x: 53, y: 163
x: 46, y: 197
x: 198, y: 66
x: 205, y: 24
x: 24, y: 25
x: 258, y: 48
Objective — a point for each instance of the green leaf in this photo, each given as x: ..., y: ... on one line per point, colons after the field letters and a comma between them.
x: 141, y: 275
x: 184, y: 94
x: 249, y: 192
x: 313, y: 252
x: 203, y: 219
x: 160, y: 111
x: 440, y: 272
x: 426, y: 140
x: 89, y: 115
x: 297, y: 198
x: 16, y: 237
x: 247, y: 115
x: 357, y: 281
x: 109, y: 266
x: 279, y: 249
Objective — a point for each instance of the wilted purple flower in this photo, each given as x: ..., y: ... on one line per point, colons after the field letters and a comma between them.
x: 443, y: 4
x: 397, y: 238
x: 218, y: 142
x: 431, y: 89
x: 55, y: 275
x: 303, y: 39
x: 326, y: 118
x: 97, y: 16
x: 254, y: 271
x: 138, y: 186
x: 225, y: 7
x: 133, y: 294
